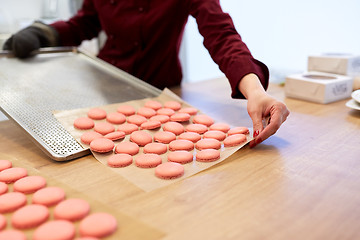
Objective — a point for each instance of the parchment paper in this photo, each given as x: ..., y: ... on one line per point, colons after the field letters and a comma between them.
x: 128, y: 227
x: 143, y: 178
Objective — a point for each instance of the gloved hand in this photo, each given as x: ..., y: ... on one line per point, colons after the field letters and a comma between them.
x: 31, y: 38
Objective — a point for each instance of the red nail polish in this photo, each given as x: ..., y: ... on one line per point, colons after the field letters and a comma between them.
x: 256, y: 133
x: 258, y: 140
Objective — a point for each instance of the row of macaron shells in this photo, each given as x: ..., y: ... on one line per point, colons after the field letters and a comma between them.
x: 50, y: 214
x: 180, y: 139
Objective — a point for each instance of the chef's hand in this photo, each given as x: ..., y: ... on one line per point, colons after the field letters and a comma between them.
x: 266, y: 112
x: 31, y: 38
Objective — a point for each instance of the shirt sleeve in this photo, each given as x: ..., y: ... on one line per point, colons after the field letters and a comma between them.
x: 225, y: 44
x: 84, y: 25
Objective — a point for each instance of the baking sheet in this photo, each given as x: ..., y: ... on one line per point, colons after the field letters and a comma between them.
x: 128, y: 227
x: 143, y: 178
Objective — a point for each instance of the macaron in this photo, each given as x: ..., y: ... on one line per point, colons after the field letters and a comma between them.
x: 188, y: 110
x: 196, y: 127
x: 87, y: 137
x: 104, y: 128
x: 11, y: 201
x: 207, y: 143
x: 116, y: 118
x: 3, y: 188
x: 12, y: 234
x: 216, y: 134
x: 181, y: 144
x: 224, y: 127
x: 151, y: 124
x: 153, y: 104
x: 120, y: 160
x: 192, y: 136
x: 234, y: 140
x: 3, y: 222
x: 127, y: 147
x: 148, y: 160
x: 102, y: 145
x: 155, y: 147
x: 84, y: 123
x: 48, y: 196
x: 141, y: 138
x: 96, y: 113
x: 99, y: 225
x: 146, y: 112
x: 13, y: 174
x: 114, y: 136
x: 136, y: 119
x: 207, y: 155
x: 127, y: 110
x: 29, y: 216
x: 72, y: 209
x: 165, y: 111
x: 180, y: 117
x: 203, y: 119
x: 238, y: 130
x: 5, y: 164
x: 29, y: 184
x: 164, y: 137
x: 174, y: 127
x: 180, y: 156
x: 64, y: 230
x: 174, y: 105
x: 128, y: 128
x: 160, y: 118
x: 169, y: 170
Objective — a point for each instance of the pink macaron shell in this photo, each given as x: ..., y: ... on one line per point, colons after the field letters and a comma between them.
x: 207, y: 143
x: 153, y: 104
x: 196, y: 127
x: 224, y: 127
x: 148, y: 160
x: 48, y: 196
x: 5, y: 164
x: 13, y: 174
x: 155, y: 147
x: 181, y: 144
x: 174, y: 127
x: 102, y: 145
x: 169, y: 170
x: 188, y: 110
x: 120, y: 160
x: 72, y: 209
x: 127, y: 147
x: 96, y: 113
x: 3, y: 222
x: 207, y: 155
x: 216, y: 134
x: 136, y: 119
x: 164, y: 137
x: 88, y: 137
x: 128, y: 128
x: 234, y: 140
x: 11, y: 201
x: 12, y: 234
x: 146, y: 112
x: 55, y: 229
x: 160, y: 118
x: 141, y: 138
x: 238, y: 130
x: 98, y: 225
x: 114, y: 136
x: 127, y: 110
x: 191, y: 136
x: 180, y: 117
x: 165, y: 111
x: 29, y: 184
x: 84, y: 123
x: 203, y: 119
x: 116, y: 118
x: 151, y: 124
x: 174, y: 105
x: 180, y: 156
x: 104, y: 128
x: 29, y: 216
x: 3, y: 188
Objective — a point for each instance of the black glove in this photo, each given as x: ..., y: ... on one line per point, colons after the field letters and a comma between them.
x: 31, y: 38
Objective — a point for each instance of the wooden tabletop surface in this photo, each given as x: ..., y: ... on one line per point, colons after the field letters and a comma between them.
x: 302, y: 183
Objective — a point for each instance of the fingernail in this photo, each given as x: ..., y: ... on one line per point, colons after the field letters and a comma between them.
x: 258, y: 140
x: 256, y: 133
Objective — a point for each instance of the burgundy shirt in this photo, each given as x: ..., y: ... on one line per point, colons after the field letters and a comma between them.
x: 144, y: 36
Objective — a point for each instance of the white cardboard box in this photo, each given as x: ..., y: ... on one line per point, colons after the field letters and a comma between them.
x: 342, y: 64
x: 318, y: 87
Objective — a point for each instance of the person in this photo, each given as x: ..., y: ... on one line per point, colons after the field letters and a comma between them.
x: 144, y: 37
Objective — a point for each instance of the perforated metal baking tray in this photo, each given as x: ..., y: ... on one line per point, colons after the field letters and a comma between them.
x: 31, y: 89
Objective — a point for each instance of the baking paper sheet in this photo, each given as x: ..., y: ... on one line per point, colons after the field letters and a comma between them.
x: 143, y: 178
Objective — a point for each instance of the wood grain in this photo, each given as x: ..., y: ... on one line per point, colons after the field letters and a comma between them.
x: 302, y: 183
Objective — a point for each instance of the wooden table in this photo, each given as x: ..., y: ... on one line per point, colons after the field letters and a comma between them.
x: 302, y: 183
